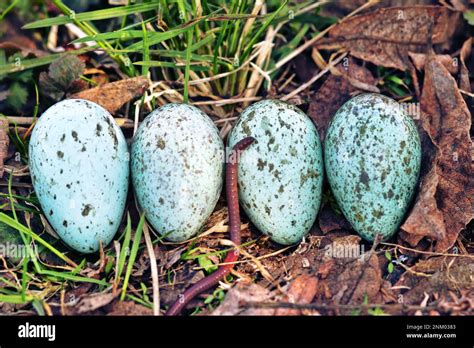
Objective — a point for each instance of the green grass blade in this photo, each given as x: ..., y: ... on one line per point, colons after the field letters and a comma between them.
x: 159, y: 64
x: 8, y: 9
x: 40, y: 61
x: 188, y: 67
x: 133, y: 255
x: 8, y: 283
x: 188, y: 63
x: 38, y: 306
x: 155, y: 38
x: 125, y: 246
x: 68, y: 276
x: 24, y: 279
x: 15, y: 224
x: 146, y: 50
x: 15, y: 299
x: 93, y: 15
x: 115, y: 35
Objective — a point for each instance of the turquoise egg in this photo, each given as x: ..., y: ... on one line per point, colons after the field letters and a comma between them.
x: 372, y: 158
x: 280, y: 175
x: 177, y: 169
x: 79, y: 164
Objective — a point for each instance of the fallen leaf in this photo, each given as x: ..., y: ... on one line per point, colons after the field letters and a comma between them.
x: 459, y: 5
x: 127, y: 308
x: 4, y: 142
x: 385, y: 36
x: 346, y: 273
x: 340, y: 9
x: 112, y: 96
x: 61, y: 77
x: 425, y: 220
x: 302, y: 290
x: 446, y: 200
x: 23, y: 45
x: 90, y: 302
x: 181, y: 281
x: 464, y: 83
x: 448, y: 62
x: 243, y: 293
x: 355, y: 279
x: 330, y: 221
x: 304, y: 68
x: 436, y: 275
x: 172, y: 256
x: 335, y: 91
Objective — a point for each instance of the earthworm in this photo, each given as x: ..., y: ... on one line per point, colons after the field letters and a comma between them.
x: 234, y: 228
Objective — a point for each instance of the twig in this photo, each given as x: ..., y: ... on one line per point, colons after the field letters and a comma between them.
x: 427, y: 252
x: 279, y: 251
x: 224, y: 120
x: 137, y: 115
x: 332, y: 306
x: 257, y: 75
x: 258, y: 264
x: 409, y: 270
x: 4, y: 142
x: 221, y: 75
x: 154, y: 270
x: 467, y: 93
x: 311, y: 42
x: 264, y: 75
x: 226, y: 101
x: 314, y: 78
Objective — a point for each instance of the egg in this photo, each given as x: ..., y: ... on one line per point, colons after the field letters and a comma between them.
x: 177, y: 169
x: 372, y: 158
x: 79, y: 164
x: 279, y: 176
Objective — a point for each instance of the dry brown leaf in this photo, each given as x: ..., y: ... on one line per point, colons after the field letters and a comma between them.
x: 302, y: 290
x: 342, y: 8
x: 464, y: 83
x: 127, y: 308
x: 353, y: 280
x: 90, y: 302
x: 385, y: 36
x: 335, y: 91
x: 446, y: 200
x: 442, y: 274
x: 112, y: 96
x: 243, y: 293
x: 23, y: 45
x: 426, y: 220
x: 458, y: 5
x: 419, y: 60
x: 330, y: 221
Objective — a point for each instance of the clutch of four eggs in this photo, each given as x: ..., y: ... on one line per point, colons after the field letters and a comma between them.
x: 80, y: 166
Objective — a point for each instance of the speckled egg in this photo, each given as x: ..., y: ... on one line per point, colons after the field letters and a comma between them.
x: 79, y: 164
x: 372, y: 159
x: 281, y: 175
x: 177, y: 169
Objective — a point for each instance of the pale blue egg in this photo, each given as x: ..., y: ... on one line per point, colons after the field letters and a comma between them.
x: 177, y: 169
x: 372, y: 159
x: 280, y: 175
x: 79, y: 164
